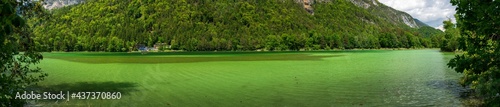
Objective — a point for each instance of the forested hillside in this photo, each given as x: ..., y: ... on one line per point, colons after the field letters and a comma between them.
x: 206, y: 25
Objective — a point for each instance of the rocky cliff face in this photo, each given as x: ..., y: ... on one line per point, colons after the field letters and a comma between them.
x: 388, y: 13
x: 307, y: 6
x: 377, y: 8
x: 52, y: 4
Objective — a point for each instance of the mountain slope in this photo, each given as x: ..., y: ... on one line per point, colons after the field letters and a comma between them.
x: 372, y: 5
x: 420, y: 23
x: 387, y: 13
x: 380, y: 10
x: 105, y: 25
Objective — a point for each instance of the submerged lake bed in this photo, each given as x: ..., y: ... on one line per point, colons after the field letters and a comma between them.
x: 318, y: 78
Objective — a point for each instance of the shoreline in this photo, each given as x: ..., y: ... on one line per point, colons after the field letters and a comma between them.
x: 215, y: 51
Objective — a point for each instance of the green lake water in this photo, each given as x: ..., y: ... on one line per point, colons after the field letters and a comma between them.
x: 233, y: 79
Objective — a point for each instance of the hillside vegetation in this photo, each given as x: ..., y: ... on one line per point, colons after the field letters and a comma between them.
x: 206, y: 25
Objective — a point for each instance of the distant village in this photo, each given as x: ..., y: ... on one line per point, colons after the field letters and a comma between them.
x: 156, y: 47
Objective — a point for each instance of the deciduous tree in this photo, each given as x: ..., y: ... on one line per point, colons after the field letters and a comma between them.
x: 479, y: 23
x: 15, y: 36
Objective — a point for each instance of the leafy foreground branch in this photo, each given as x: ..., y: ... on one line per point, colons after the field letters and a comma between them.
x: 15, y: 36
x: 479, y: 24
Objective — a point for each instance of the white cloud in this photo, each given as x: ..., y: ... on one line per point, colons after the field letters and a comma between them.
x: 431, y: 12
x: 440, y: 27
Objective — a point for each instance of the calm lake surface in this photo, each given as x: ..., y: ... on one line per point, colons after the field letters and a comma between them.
x: 312, y: 79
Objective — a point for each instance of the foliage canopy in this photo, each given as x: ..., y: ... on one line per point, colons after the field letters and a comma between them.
x: 479, y: 24
x: 206, y: 25
x: 15, y: 36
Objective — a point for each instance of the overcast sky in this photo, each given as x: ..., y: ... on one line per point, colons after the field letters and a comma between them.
x: 431, y: 12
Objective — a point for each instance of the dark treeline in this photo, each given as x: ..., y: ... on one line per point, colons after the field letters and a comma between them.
x: 205, y: 25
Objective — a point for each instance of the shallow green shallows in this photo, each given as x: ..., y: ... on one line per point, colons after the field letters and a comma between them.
x: 235, y: 79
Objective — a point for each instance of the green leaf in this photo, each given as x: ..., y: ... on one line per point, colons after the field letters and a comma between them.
x: 18, y: 21
x: 7, y: 9
x: 8, y: 29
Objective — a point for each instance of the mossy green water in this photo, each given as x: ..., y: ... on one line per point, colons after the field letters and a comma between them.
x: 339, y: 78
